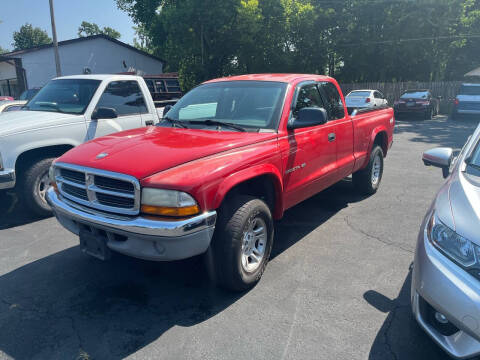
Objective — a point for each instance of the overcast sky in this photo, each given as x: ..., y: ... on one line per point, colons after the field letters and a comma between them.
x: 68, y: 16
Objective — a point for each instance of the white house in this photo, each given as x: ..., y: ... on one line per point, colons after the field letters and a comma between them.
x: 98, y: 54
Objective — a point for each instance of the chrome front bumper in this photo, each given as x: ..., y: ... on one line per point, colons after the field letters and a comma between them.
x: 451, y: 291
x: 7, y: 179
x: 141, y: 237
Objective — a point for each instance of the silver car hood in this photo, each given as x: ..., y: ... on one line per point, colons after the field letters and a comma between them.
x: 463, y: 203
x: 22, y: 121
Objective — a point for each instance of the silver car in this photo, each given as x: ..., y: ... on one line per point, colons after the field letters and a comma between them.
x: 445, y: 291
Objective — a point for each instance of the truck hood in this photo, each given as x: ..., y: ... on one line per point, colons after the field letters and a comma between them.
x: 21, y: 121
x: 465, y: 205
x: 146, y: 151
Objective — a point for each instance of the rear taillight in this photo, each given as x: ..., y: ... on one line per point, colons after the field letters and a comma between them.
x: 367, y: 100
x: 456, y: 101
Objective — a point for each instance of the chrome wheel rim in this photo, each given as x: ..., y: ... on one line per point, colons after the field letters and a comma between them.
x: 42, y: 187
x: 253, y: 244
x: 376, y: 169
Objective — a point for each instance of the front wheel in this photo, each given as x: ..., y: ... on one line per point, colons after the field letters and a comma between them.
x: 33, y: 187
x: 367, y: 181
x: 242, y: 242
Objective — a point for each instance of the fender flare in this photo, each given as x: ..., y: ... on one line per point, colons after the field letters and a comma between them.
x: 37, y: 145
x: 375, y: 132
x: 250, y: 173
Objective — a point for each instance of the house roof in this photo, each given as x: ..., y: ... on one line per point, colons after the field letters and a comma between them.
x: 72, y: 41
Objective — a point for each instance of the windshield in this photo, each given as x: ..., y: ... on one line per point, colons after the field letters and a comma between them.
x: 250, y: 104
x: 28, y: 94
x: 415, y: 95
x: 70, y: 96
x: 469, y: 90
x: 359, y: 94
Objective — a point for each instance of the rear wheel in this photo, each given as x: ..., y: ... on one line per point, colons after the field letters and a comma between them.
x: 242, y: 242
x: 367, y: 181
x: 33, y: 187
x: 429, y: 114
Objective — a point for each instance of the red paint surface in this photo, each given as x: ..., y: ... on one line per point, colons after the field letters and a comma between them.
x: 209, y: 163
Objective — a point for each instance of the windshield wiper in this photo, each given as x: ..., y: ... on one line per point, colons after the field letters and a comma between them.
x: 176, y: 122
x: 219, y: 123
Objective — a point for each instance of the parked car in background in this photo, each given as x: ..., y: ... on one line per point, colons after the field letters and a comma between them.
x: 420, y: 102
x: 445, y: 292
x: 467, y: 101
x: 28, y: 94
x: 232, y: 155
x: 6, y: 98
x: 365, y: 99
x: 11, y: 105
x: 65, y: 113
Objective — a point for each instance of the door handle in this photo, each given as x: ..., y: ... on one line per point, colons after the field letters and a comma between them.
x: 149, y: 122
x: 331, y: 137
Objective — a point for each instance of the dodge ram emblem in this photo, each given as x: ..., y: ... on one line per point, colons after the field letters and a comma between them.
x: 102, y: 155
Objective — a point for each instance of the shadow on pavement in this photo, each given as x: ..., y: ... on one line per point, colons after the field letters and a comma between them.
x: 70, y: 306
x: 13, y: 212
x: 439, y: 131
x: 400, y: 338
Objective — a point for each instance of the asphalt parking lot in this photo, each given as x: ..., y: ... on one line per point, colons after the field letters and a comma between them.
x: 337, y: 286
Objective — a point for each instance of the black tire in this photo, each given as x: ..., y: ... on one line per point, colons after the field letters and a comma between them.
x: 363, y: 179
x: 429, y: 114
x: 32, y: 187
x: 235, y: 217
x: 454, y: 115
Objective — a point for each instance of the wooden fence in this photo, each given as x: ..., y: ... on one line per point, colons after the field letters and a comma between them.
x: 447, y: 90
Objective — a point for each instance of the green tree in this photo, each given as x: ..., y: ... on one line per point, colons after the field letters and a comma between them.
x: 28, y: 37
x: 89, y: 29
x: 357, y: 40
x: 3, y: 51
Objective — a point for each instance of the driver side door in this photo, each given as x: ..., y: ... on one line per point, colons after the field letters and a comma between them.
x: 126, y: 98
x: 309, y: 159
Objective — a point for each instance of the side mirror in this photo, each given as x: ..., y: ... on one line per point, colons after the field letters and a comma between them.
x: 104, y: 113
x: 439, y: 157
x: 166, y: 109
x: 308, y: 116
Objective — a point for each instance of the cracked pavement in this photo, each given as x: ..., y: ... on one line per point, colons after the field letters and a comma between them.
x: 337, y: 286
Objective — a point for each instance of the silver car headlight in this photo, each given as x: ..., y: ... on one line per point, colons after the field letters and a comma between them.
x: 456, y: 247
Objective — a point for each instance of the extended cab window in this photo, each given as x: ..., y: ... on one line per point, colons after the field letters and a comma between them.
x: 308, y: 96
x: 125, y: 97
x: 334, y: 101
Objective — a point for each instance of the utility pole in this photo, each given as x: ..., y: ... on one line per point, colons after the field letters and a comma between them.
x: 55, y: 43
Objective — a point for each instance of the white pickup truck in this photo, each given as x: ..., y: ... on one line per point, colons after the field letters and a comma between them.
x: 66, y: 112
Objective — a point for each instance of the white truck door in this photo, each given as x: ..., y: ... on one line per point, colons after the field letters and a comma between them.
x: 126, y: 98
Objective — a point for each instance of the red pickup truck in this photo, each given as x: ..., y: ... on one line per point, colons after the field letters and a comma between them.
x: 230, y: 157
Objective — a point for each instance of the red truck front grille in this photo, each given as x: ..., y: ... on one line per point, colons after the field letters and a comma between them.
x: 98, y: 189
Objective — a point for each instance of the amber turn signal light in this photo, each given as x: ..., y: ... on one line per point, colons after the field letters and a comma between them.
x: 170, y: 211
x: 54, y: 185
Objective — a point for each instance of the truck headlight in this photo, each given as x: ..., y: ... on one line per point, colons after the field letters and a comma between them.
x: 454, y: 246
x: 168, y: 203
